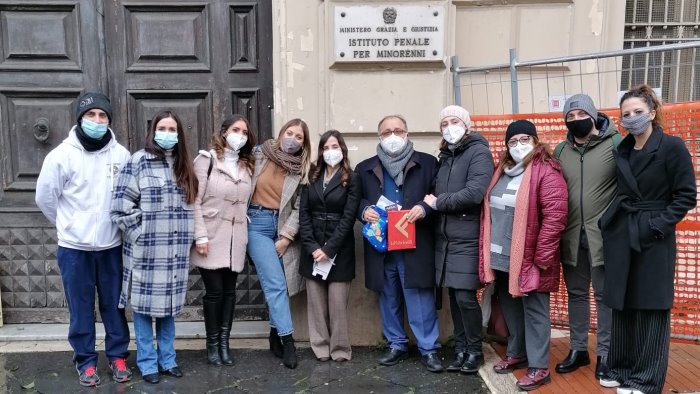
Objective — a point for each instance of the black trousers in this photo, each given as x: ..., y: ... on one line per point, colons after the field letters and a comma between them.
x: 466, y: 317
x: 218, y: 283
x: 578, y: 280
x: 639, y: 347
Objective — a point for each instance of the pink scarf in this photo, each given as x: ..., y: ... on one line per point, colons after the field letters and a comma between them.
x: 517, y: 246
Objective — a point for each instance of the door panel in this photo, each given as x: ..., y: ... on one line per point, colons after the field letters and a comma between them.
x: 247, y: 102
x: 40, y: 37
x: 49, y: 54
x: 243, y: 26
x: 193, y: 107
x: 36, y: 124
x: 167, y: 38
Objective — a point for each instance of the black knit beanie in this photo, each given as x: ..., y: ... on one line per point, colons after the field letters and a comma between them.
x: 520, y: 127
x: 91, y: 100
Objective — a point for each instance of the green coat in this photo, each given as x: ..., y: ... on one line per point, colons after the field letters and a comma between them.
x: 591, y: 179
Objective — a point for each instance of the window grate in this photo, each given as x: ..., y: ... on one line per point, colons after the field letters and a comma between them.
x: 657, y: 22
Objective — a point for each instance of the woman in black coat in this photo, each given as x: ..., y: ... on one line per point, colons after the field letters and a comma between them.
x: 656, y: 189
x: 466, y: 168
x: 326, y: 219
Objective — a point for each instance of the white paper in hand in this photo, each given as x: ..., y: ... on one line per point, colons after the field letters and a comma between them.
x: 323, y: 268
x: 384, y: 202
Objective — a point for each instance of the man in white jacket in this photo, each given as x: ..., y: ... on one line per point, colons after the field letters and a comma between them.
x: 74, y: 191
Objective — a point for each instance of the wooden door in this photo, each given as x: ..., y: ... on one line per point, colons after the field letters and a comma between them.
x: 49, y: 53
x: 205, y: 61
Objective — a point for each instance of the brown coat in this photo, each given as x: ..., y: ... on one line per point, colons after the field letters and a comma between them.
x: 288, y: 223
x: 220, y: 213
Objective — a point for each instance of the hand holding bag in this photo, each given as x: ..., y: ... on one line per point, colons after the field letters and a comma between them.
x: 375, y: 233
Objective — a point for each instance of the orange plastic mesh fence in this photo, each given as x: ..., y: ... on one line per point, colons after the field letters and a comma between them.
x: 682, y: 120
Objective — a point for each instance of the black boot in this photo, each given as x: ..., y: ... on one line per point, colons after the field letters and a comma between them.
x: 275, y: 343
x: 211, y: 326
x: 227, y: 307
x: 459, y: 360
x: 575, y: 359
x: 290, y: 352
x: 601, y: 367
x: 472, y: 364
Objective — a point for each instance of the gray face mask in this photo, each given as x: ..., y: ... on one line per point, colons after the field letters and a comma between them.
x: 290, y: 145
x: 636, y: 125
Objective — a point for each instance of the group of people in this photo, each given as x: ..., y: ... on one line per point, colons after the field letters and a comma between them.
x: 601, y: 206
x: 475, y: 224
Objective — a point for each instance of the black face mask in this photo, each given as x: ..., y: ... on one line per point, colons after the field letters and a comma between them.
x: 580, y: 128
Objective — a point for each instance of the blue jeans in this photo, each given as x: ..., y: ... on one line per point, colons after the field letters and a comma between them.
x: 420, y: 306
x: 262, y: 234
x: 147, y: 357
x: 81, y: 272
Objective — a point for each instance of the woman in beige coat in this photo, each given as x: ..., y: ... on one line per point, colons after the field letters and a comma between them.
x: 281, y: 165
x: 221, y: 232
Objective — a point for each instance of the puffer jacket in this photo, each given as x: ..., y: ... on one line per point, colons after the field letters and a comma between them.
x: 540, y: 218
x: 460, y: 185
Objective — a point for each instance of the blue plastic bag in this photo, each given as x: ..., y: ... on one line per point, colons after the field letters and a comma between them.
x: 375, y: 233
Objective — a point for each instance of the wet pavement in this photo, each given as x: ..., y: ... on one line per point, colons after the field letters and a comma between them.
x: 256, y: 371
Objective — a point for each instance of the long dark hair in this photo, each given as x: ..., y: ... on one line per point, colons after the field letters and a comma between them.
x: 646, y: 93
x: 218, y: 142
x: 184, y: 171
x: 320, y: 165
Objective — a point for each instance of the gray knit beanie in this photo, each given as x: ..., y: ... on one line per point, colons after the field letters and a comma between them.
x: 582, y: 102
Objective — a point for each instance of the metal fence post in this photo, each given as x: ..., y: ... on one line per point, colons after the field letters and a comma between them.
x: 513, y: 82
x: 456, y: 84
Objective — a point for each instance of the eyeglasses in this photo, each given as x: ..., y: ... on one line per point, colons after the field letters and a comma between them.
x: 523, y: 140
x: 396, y: 132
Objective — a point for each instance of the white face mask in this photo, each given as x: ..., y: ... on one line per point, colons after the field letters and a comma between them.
x: 236, y: 141
x: 332, y: 156
x: 392, y: 144
x: 520, y: 151
x: 453, y: 133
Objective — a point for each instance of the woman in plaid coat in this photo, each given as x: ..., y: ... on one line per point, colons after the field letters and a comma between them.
x: 153, y: 205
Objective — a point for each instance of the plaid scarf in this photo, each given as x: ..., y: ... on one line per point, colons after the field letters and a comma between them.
x: 291, y: 163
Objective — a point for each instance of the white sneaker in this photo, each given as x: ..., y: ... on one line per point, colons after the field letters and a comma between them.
x: 609, y: 382
x: 628, y: 390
